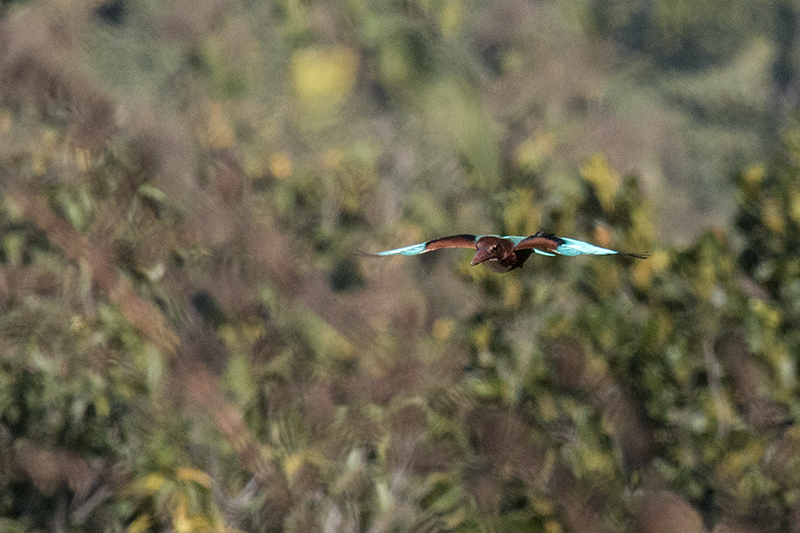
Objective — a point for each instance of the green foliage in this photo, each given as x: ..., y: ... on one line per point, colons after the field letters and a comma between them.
x: 189, y: 340
x: 683, y: 35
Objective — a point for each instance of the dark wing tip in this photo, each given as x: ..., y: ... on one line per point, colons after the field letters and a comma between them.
x: 544, y: 234
x: 361, y: 253
x: 635, y: 255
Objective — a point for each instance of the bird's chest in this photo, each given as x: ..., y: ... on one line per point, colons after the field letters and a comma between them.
x: 502, y: 264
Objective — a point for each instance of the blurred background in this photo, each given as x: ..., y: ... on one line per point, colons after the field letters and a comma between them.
x: 191, y: 342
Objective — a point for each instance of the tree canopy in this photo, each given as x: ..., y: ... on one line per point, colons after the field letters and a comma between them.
x: 191, y: 340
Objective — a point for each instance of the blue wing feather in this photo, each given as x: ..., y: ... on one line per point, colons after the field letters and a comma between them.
x: 574, y: 247
x: 453, y: 241
x: 414, y: 249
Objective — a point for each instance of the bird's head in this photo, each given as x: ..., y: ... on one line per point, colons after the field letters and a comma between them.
x: 491, y: 248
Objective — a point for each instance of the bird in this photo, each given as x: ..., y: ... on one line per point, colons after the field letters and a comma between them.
x: 504, y: 254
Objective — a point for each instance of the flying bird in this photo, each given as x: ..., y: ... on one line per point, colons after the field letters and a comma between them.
x: 504, y: 254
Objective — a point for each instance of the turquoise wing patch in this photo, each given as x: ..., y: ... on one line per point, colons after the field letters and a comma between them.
x: 573, y: 247
x: 414, y: 249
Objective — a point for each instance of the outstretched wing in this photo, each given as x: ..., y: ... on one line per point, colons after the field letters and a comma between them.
x: 541, y: 243
x: 453, y: 241
x: 549, y: 244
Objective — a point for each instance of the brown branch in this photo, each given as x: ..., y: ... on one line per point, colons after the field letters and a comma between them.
x: 76, y: 247
x: 200, y: 387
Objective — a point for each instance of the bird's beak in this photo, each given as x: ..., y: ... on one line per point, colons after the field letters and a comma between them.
x: 480, y: 256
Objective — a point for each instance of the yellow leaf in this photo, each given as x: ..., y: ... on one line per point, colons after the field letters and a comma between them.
x: 753, y: 176
x: 280, y: 166
x: 442, y: 329
x: 604, y: 180
x: 193, y: 474
x: 102, y: 406
x: 292, y: 464
x: 454, y: 518
x: 83, y: 158
x: 140, y: 525
x: 481, y: 336
x: 773, y: 216
x: 596, y: 369
x: 769, y: 315
x: 324, y: 76
x: 180, y: 515
x: 552, y: 526
x: 532, y: 153
x: 452, y: 17
x: 252, y: 331
x: 228, y: 334
x: 153, y: 482
x: 643, y: 271
x: 78, y: 324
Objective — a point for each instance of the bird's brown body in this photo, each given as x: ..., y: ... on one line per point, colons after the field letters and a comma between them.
x: 498, y: 254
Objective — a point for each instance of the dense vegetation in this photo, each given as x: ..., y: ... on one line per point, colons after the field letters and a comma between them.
x: 191, y: 342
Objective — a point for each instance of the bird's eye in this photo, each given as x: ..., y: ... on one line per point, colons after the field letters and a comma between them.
x: 494, y: 248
